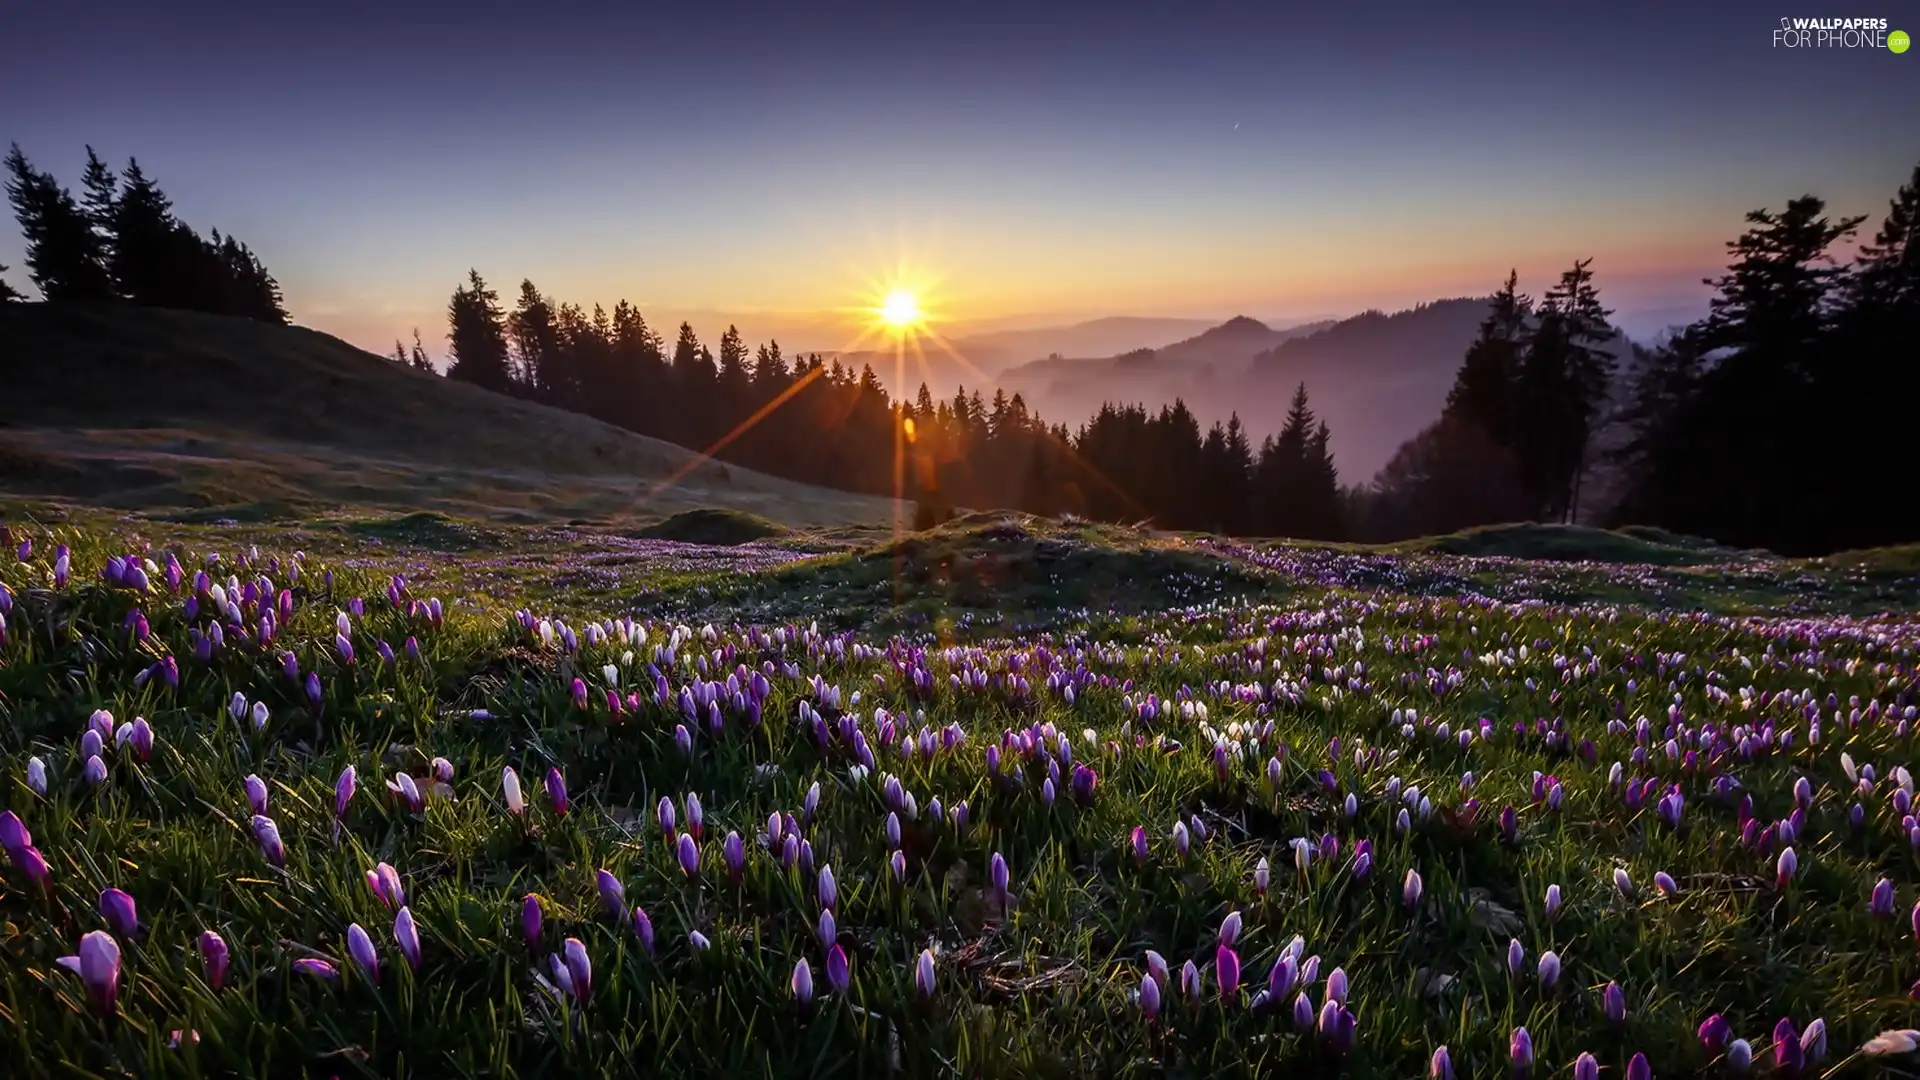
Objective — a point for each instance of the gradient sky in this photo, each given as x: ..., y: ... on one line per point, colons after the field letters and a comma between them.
x: 770, y: 162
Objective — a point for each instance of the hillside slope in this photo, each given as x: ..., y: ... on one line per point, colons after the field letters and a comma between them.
x: 142, y: 407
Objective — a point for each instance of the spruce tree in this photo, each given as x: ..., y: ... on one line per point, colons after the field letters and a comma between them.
x: 477, y: 336
x: 1484, y: 390
x: 65, y: 257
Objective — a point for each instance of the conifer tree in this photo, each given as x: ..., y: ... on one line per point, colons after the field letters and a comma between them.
x: 477, y: 336
x: 65, y: 257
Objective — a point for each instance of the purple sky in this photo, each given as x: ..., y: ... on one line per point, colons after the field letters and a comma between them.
x: 772, y: 164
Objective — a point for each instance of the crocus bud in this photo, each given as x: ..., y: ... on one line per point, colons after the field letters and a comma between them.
x: 1149, y: 998
x: 733, y: 851
x: 1613, y: 1002
x: 1549, y: 971
x: 1440, y: 1065
x: 688, y: 854
x: 510, y: 790
x: 1785, y: 867
x: 802, y: 983
x: 1880, y: 902
x: 1787, y: 1053
x: 1553, y: 903
x: 696, y: 818
x: 213, y: 952
x: 267, y: 834
x: 360, y: 947
x: 612, y: 894
x: 1586, y: 1067
x: 1520, y: 1052
x: 1226, y: 970
x: 530, y: 918
x: 94, y: 772
x: 322, y: 970
x: 1138, y: 840
x: 837, y: 972
x: 343, y: 789
x: 643, y: 929
x: 37, y: 776
x: 1262, y: 876
x: 1411, y: 889
x: 407, y: 936
x: 557, y: 791
x: 1516, y: 958
x: 923, y: 984
x: 1739, y: 1057
x: 997, y: 874
x: 1230, y: 929
x: 118, y: 909
x: 256, y: 789
x: 827, y: 891
x: 579, y: 967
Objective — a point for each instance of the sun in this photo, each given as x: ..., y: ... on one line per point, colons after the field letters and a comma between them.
x: 900, y: 310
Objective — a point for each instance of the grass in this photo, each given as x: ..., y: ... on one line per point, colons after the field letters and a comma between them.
x: 1354, y: 670
x: 304, y: 422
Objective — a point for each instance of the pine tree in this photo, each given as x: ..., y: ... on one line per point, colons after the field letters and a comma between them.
x: 149, y: 250
x: 1564, y: 376
x: 102, y: 189
x: 1484, y: 390
x: 478, y: 336
x: 418, y: 359
x: 64, y: 255
x: 536, y: 347
x: 1886, y: 276
x: 399, y: 353
x: 7, y: 292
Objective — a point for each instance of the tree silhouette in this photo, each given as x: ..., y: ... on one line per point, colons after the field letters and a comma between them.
x: 478, y: 336
x: 65, y: 257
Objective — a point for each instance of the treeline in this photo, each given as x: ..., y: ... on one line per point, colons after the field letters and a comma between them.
x: 1782, y: 420
x: 816, y: 420
x: 122, y: 241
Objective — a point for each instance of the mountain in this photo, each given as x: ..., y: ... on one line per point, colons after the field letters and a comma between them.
x: 146, y: 407
x: 984, y: 355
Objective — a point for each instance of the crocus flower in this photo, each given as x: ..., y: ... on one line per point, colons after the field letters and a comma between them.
x: 1892, y: 1043
x: 1138, y: 840
x: 923, y: 975
x: 94, y: 772
x: 1337, y: 985
x: 268, y: 836
x: 699, y: 942
x: 510, y: 789
x: 827, y: 891
x: 802, y: 983
x: 1788, y: 1055
x: 1411, y: 889
x: 837, y: 971
x: 213, y: 952
x: 1182, y: 841
x: 1303, y: 1016
x: 1520, y: 1051
x: 1623, y: 883
x: 997, y: 874
x: 579, y: 968
x: 407, y: 936
x: 612, y: 894
x: 1586, y: 1067
x: 1157, y: 968
x: 668, y: 817
x: 1553, y: 903
x: 1813, y: 1042
x: 256, y: 789
x: 98, y: 965
x: 688, y: 853
x: 1149, y: 998
x: 1713, y: 1034
x: 443, y: 770
x: 643, y: 929
x: 893, y: 830
x: 1262, y: 876
x: 319, y: 969
x: 1516, y: 958
x: 360, y: 947
x: 1440, y: 1065
x: 1880, y: 902
x: 37, y: 776
x: 897, y: 862
x: 118, y: 909
x: 1739, y: 1056
x: 696, y: 818
x: 343, y: 789
x: 33, y: 865
x: 1226, y: 970
x: 403, y: 786
x: 1613, y: 1002
x: 530, y: 918
x: 1664, y: 882
x: 1785, y: 867
x: 13, y: 832
x: 1549, y: 971
x: 557, y: 791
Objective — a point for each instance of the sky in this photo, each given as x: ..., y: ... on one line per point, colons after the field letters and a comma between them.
x: 773, y: 164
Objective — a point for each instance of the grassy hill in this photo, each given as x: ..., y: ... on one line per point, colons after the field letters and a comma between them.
x: 139, y: 407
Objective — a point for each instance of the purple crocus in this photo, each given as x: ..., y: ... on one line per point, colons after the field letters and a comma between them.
x: 324, y: 970
x: 997, y: 874
x: 1739, y: 1057
x: 1664, y: 883
x: 98, y: 965
x: 643, y: 929
x: 1713, y: 1034
x: 343, y: 790
x: 923, y: 974
x: 557, y: 791
x: 1520, y: 1052
x: 1787, y: 1054
x: 267, y: 834
x: 94, y: 773
x: 256, y: 789
x: 1149, y: 998
x: 407, y: 936
x: 1138, y: 840
x: 1411, y: 889
x: 837, y: 971
x: 612, y: 894
x: 1553, y: 903
x: 510, y: 791
x: 530, y: 918
x: 1549, y: 971
x: 579, y: 968
x: 689, y: 855
x: 733, y: 852
x: 1226, y: 971
x: 1613, y: 1002
x: 1440, y: 1065
x: 1785, y: 867
x: 1586, y: 1067
x: 360, y: 947
x: 1880, y: 902
x: 828, y: 892
x: 118, y: 909
x: 213, y: 953
x: 801, y: 983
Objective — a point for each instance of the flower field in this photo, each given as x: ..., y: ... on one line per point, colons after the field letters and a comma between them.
x: 578, y: 806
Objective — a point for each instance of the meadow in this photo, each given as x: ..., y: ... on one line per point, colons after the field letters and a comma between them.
x: 424, y: 797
